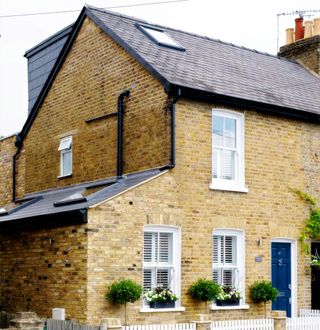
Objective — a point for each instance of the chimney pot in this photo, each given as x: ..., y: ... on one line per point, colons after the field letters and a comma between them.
x: 299, y: 31
x: 308, y: 25
x: 316, y: 26
x: 290, y: 36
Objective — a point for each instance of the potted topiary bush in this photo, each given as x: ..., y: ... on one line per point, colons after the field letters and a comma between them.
x: 124, y: 291
x: 204, y: 290
x: 263, y: 291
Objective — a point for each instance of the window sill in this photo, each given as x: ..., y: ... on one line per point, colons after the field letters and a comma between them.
x: 161, y: 310
x: 215, y: 186
x: 64, y: 176
x: 221, y: 308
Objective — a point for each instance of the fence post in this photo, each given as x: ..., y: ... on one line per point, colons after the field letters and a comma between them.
x: 203, y: 324
x: 110, y: 323
x: 26, y: 320
x: 279, y: 319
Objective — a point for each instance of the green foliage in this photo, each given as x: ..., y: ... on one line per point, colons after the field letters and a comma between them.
x: 312, y: 228
x: 306, y: 197
x: 204, y: 290
x: 124, y: 291
x: 263, y: 291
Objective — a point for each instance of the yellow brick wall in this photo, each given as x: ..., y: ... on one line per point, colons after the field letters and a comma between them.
x: 44, y: 269
x: 278, y: 157
x: 7, y: 150
x: 95, y: 72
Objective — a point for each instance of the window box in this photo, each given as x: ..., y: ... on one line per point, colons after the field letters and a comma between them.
x: 234, y: 302
x: 162, y: 304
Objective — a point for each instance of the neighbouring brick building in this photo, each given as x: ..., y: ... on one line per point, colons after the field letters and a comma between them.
x: 161, y: 156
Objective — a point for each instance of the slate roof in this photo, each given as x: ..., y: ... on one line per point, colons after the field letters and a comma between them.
x: 225, y: 73
x: 217, y: 67
x: 42, y: 204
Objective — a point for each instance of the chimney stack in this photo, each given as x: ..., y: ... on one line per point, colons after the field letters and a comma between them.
x: 303, y: 44
x: 299, y: 30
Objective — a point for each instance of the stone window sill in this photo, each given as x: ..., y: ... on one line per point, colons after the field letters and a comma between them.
x: 161, y: 310
x: 221, y: 308
x: 64, y: 176
x: 241, y: 189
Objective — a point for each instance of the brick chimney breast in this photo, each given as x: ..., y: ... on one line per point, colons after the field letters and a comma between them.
x: 305, y: 50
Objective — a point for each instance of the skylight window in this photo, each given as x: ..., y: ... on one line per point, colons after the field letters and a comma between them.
x: 160, y: 37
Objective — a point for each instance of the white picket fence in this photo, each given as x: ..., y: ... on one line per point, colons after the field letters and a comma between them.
x: 177, y: 326
x: 256, y: 324
x: 303, y: 323
x: 309, y: 312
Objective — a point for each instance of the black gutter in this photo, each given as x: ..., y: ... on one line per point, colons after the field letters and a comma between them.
x: 66, y: 218
x: 120, y: 132
x: 243, y: 104
x: 18, y: 144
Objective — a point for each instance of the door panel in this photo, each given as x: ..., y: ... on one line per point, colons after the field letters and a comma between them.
x: 281, y: 275
x: 315, y: 279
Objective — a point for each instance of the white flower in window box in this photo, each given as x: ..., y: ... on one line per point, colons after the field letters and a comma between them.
x: 160, y: 297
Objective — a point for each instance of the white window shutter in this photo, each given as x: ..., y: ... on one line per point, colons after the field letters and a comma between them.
x: 164, y: 247
x: 163, y: 277
x: 148, y: 247
x: 147, y: 279
x: 229, y: 248
x: 228, y: 277
x: 215, y: 249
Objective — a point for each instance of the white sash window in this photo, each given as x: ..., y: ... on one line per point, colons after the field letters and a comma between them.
x: 227, y: 150
x: 228, y: 258
x: 161, y: 258
x: 65, y: 149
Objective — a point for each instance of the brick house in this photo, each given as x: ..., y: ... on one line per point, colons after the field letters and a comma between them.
x: 145, y: 141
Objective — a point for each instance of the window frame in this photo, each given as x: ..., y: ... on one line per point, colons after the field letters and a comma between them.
x: 240, y: 255
x: 64, y: 151
x: 238, y: 184
x: 176, y: 257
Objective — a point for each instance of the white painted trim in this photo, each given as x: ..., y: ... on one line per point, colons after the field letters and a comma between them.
x: 217, y: 308
x: 224, y: 187
x: 239, y: 183
x: 133, y: 187
x: 161, y: 310
x: 294, y: 277
x: 241, y: 262
x: 65, y: 151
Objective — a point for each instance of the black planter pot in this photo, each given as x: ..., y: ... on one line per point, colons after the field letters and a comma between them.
x: 234, y: 302
x: 161, y: 304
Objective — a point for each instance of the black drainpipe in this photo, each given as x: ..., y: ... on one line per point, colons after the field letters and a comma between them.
x: 18, y: 144
x: 120, y: 131
x: 172, y: 163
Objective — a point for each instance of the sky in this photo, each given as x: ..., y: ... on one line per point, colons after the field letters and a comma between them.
x: 248, y: 23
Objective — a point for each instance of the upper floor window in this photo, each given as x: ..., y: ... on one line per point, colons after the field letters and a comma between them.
x: 161, y: 258
x: 65, y: 149
x: 228, y: 258
x: 228, y: 150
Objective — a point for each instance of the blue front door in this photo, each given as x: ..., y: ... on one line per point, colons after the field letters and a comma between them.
x: 281, y: 275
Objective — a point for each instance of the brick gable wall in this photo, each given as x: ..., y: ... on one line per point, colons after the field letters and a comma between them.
x: 88, y: 84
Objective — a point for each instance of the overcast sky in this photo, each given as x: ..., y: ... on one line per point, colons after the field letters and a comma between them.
x: 249, y: 23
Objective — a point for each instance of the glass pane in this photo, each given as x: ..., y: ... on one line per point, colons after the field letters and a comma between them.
x: 161, y: 37
x: 216, y: 163
x: 230, y: 250
x: 217, y: 131
x: 65, y: 143
x: 147, y: 279
x: 147, y: 247
x: 66, y: 163
x: 165, y: 247
x: 228, y: 160
x: 228, y: 277
x: 230, y: 133
x: 163, y: 278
